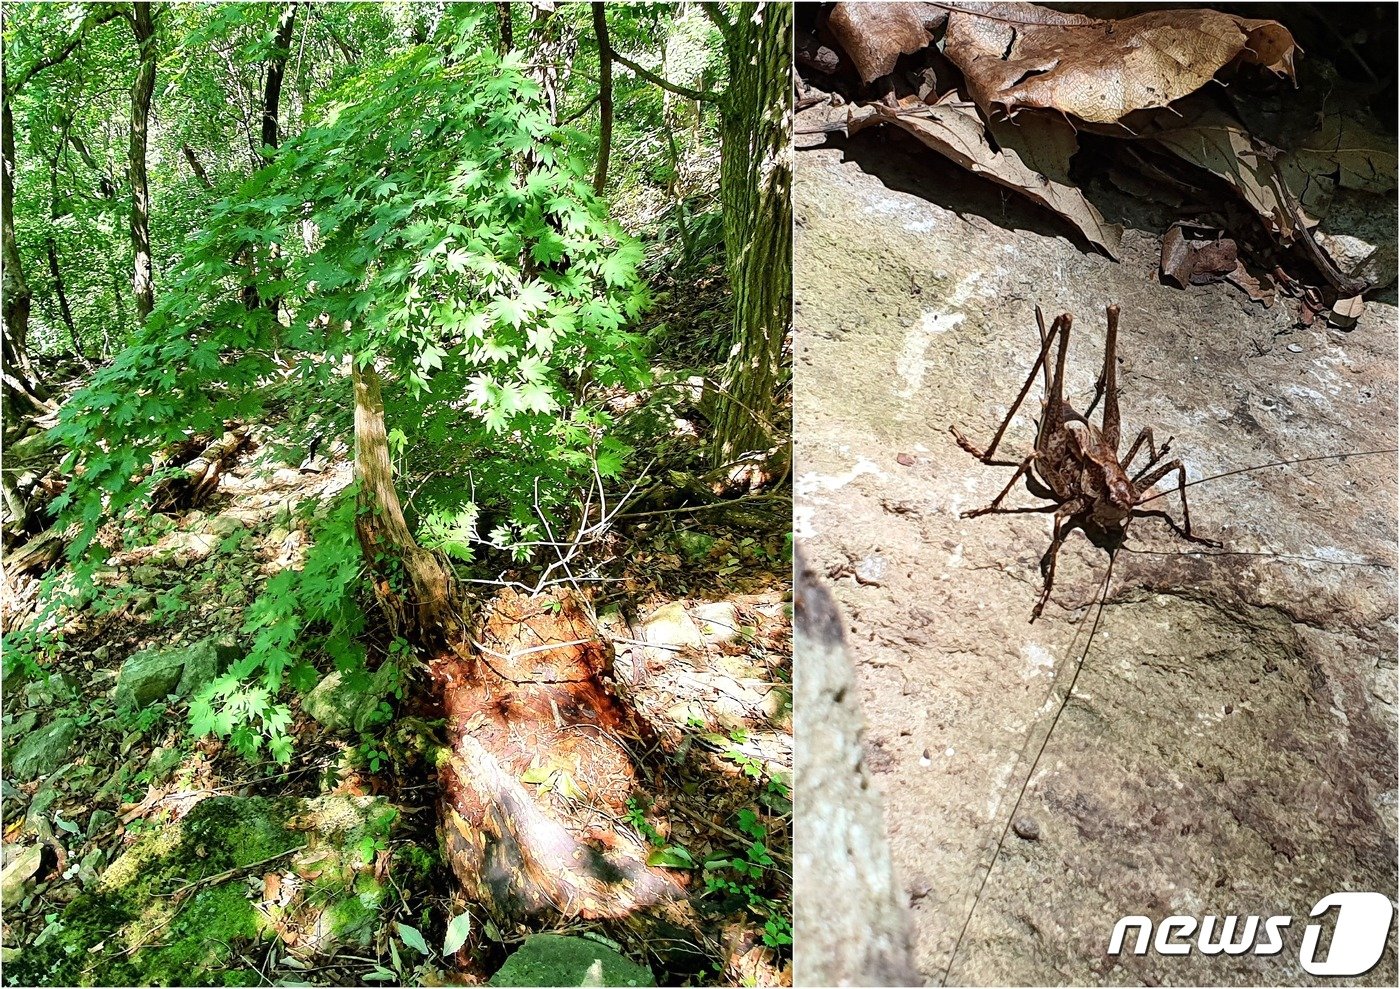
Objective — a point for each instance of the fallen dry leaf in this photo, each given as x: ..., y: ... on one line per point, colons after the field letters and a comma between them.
x: 1347, y: 311
x: 1018, y: 55
x: 1259, y: 289
x: 1033, y: 160
x: 1343, y: 151
x: 1196, y: 262
x: 874, y: 35
x: 1210, y: 138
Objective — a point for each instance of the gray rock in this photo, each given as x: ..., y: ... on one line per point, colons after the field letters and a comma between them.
x: 155, y: 673
x: 1187, y: 640
x: 560, y: 960
x: 223, y: 526
x: 340, y: 707
x: 43, y: 750
x: 1359, y: 235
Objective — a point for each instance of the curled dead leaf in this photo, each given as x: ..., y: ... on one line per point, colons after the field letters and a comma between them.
x: 1196, y: 262
x: 1032, y: 158
x: 1018, y: 55
x: 874, y: 35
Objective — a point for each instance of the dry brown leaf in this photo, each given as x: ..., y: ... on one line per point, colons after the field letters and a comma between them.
x: 1212, y: 139
x: 1017, y: 55
x: 1259, y: 289
x: 1033, y: 160
x: 1348, y: 310
x: 1199, y: 262
x: 1345, y: 150
x: 874, y: 35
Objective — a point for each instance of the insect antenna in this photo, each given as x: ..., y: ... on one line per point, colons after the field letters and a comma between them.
x: 1035, y: 763
x: 1275, y: 463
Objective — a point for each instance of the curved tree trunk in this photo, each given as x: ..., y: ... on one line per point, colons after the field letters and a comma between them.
x: 413, y: 586
x: 523, y: 691
x: 143, y: 279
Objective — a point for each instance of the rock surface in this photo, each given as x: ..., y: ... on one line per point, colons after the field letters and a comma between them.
x: 559, y: 960
x: 340, y: 707
x: 153, y: 674
x: 1230, y: 747
x: 42, y: 750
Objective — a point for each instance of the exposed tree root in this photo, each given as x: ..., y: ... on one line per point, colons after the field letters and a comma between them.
x: 526, y: 699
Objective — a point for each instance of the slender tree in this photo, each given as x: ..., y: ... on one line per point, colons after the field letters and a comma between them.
x: 755, y: 185
x: 755, y: 188
x: 605, y: 100
x: 142, y: 21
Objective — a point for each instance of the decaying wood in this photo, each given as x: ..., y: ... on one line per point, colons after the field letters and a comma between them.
x: 525, y: 698
x: 197, y: 479
x: 38, y: 554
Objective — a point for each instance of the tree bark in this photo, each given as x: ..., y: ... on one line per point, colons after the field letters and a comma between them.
x: 23, y: 394
x: 413, y: 587
x: 605, y: 102
x: 506, y: 37
x: 544, y: 67
x: 143, y: 278
x: 843, y: 853
x: 755, y: 188
x: 272, y: 99
x: 276, y: 70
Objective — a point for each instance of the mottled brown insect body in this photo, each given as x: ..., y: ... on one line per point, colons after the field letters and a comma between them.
x: 1088, y: 485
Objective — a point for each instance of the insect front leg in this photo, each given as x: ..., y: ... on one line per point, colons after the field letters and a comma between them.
x: 1157, y: 475
x: 986, y: 456
x: 1154, y: 454
x: 1047, y: 562
x: 1024, y: 467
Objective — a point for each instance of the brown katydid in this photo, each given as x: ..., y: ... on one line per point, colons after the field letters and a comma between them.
x: 1078, y: 462
x: 1076, y: 466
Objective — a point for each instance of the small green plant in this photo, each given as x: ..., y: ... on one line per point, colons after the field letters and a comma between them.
x: 740, y: 878
x: 143, y: 719
x: 370, y: 755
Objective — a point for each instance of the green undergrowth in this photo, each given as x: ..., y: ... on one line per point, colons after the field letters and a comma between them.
x: 184, y: 904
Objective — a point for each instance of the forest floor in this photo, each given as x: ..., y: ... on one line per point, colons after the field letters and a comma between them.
x: 106, y: 795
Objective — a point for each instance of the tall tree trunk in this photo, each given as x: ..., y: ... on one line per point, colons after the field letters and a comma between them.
x: 272, y: 100
x: 22, y: 392
x: 142, y: 282
x: 755, y: 187
x: 276, y: 70
x: 505, y: 40
x: 605, y: 102
x: 64, y: 311
x: 544, y: 63
x: 51, y: 249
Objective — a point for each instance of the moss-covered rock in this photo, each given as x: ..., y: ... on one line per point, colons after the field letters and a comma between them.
x: 177, y: 907
x: 558, y: 960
